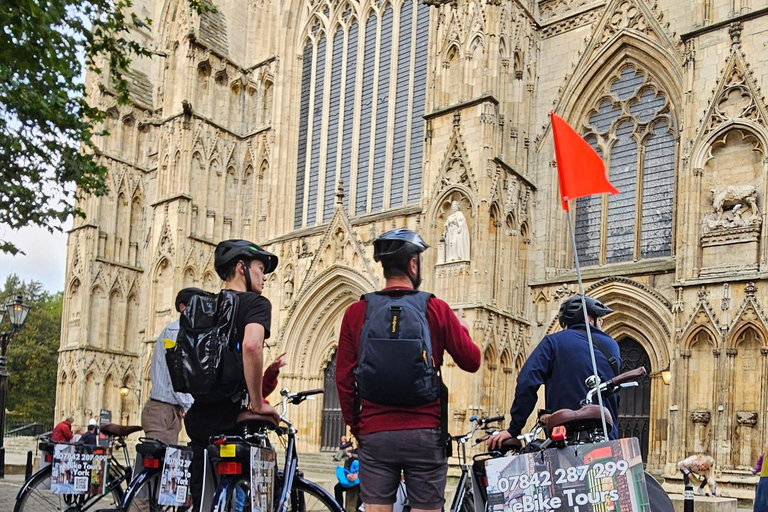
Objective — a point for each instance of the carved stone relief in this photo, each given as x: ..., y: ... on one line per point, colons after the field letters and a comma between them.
x: 701, y: 417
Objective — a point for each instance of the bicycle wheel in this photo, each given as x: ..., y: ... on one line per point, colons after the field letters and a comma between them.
x: 468, y: 503
x: 307, y: 498
x: 233, y: 495
x: 36, y: 496
x: 144, y: 499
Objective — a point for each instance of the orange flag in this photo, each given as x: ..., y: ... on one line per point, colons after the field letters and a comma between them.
x: 580, y: 169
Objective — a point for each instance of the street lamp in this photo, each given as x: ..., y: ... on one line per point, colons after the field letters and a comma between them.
x: 666, y: 375
x: 124, y: 390
x: 16, y: 312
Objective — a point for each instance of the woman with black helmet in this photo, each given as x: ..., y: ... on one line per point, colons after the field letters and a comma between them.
x: 243, y: 266
x: 562, y: 363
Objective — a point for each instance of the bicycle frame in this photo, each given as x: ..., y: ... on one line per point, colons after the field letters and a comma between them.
x: 291, y: 471
x: 467, y: 474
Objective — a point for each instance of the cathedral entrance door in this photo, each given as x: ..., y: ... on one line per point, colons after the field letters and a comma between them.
x: 635, y: 405
x: 333, y: 423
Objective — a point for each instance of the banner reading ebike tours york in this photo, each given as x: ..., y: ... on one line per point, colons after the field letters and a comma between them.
x: 600, y: 477
x: 263, y: 462
x: 79, y: 469
x: 174, y: 484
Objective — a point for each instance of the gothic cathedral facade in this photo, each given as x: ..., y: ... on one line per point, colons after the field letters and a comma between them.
x: 312, y: 126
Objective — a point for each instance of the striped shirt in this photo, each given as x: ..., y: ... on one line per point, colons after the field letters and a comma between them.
x: 162, y: 389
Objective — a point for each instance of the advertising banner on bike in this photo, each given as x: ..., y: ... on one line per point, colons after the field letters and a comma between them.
x: 174, y: 483
x: 79, y: 469
x: 263, y: 462
x: 599, y: 477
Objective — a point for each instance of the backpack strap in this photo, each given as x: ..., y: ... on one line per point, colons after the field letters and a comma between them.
x: 597, y: 342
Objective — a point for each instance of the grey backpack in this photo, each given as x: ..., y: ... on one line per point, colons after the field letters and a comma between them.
x: 395, y: 364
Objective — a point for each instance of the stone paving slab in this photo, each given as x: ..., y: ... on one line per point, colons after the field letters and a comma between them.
x: 9, y: 487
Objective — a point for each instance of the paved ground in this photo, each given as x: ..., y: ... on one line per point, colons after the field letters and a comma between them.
x: 8, y: 489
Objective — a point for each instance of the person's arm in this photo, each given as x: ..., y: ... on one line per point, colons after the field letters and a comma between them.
x: 534, y: 373
x: 458, y: 343
x: 68, y: 432
x: 269, y: 382
x: 346, y: 360
x: 253, y: 366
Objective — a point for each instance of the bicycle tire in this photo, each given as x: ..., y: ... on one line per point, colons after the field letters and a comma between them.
x: 145, y: 497
x: 225, y: 497
x: 468, y: 503
x: 305, y: 498
x: 36, y: 496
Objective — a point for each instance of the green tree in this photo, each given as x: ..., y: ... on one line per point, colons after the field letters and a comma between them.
x: 47, y: 127
x: 33, y: 352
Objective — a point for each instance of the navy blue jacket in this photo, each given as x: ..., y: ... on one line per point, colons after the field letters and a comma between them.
x: 562, y: 363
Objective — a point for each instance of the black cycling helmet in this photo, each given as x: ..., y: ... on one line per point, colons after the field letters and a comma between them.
x: 398, y: 243
x: 230, y: 251
x: 571, y: 311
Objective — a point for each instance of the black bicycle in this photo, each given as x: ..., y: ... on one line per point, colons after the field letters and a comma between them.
x: 143, y: 491
x: 231, y: 457
x: 469, y: 485
x: 36, y: 496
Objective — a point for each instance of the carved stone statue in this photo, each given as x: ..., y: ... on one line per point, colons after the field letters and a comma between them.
x: 733, y: 207
x: 288, y: 285
x: 456, y: 235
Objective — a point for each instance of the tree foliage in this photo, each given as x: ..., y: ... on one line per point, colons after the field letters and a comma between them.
x: 33, y: 352
x: 47, y: 127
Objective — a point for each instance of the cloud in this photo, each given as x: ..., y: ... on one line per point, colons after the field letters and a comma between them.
x: 45, y: 259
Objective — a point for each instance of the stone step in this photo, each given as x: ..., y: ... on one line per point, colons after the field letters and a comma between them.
x: 705, y: 503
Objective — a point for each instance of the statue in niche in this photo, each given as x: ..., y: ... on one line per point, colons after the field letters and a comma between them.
x: 456, y: 235
x: 339, y: 245
x: 288, y: 285
x: 733, y: 207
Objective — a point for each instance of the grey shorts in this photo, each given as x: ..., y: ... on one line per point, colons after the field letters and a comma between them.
x: 416, y: 453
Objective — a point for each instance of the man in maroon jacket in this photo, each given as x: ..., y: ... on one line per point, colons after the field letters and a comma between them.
x: 394, y: 439
x: 62, y: 433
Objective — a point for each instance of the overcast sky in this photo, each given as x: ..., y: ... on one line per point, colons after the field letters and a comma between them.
x: 45, y: 258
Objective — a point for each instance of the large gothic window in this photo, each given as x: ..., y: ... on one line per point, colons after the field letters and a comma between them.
x: 363, y: 87
x: 633, y: 130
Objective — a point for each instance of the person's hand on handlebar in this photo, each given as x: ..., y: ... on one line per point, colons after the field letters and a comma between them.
x: 494, y: 442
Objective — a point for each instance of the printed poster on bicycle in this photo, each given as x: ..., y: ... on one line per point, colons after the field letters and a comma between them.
x: 599, y: 477
x: 174, y: 482
x: 262, y: 478
x: 79, y: 469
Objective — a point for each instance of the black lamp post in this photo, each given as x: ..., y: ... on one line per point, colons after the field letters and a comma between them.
x: 16, y: 312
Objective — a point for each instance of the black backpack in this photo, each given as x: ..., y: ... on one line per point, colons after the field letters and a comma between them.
x: 395, y: 363
x: 207, y: 359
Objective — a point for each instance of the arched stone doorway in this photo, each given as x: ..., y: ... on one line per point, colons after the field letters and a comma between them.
x: 333, y: 426
x: 635, y: 405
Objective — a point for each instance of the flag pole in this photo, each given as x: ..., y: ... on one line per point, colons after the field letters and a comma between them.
x: 586, y: 319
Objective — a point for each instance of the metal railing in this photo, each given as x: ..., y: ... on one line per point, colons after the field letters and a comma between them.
x: 22, y: 428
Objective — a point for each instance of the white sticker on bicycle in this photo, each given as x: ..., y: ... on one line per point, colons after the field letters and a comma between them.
x: 579, y: 478
x: 174, y: 483
x: 79, y: 469
x: 262, y: 479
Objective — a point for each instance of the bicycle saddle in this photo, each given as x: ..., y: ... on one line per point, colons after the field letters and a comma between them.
x: 116, y: 430
x: 587, y: 414
x: 261, y: 420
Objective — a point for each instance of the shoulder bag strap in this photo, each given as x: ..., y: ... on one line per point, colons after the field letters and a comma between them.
x: 602, y: 348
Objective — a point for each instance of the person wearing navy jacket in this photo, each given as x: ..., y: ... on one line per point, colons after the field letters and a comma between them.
x: 562, y: 363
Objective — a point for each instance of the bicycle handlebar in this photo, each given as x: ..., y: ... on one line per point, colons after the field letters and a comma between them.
x: 500, y: 417
x: 610, y: 387
x: 311, y: 392
x: 629, y: 376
